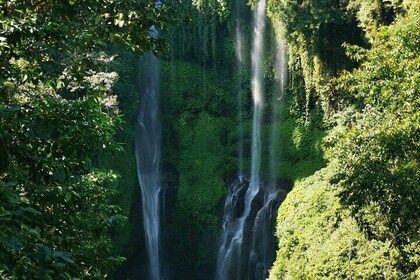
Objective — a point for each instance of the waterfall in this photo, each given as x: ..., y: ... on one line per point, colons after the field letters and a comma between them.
x: 230, y: 254
x: 258, y: 97
x: 148, y: 149
x: 261, y: 253
x: 230, y: 259
x: 280, y: 86
x: 281, y: 64
x: 239, y: 46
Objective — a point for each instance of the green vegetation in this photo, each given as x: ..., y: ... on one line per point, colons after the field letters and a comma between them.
x: 300, y: 150
x: 382, y: 137
x: 201, y: 188
x: 124, y: 162
x: 348, y: 133
x: 357, y: 218
x: 319, y: 239
x: 57, y: 116
x: 197, y: 148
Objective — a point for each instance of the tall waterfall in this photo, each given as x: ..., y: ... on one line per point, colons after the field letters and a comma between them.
x: 232, y: 256
x: 148, y: 149
x: 239, y: 46
x: 258, y: 97
x: 261, y: 253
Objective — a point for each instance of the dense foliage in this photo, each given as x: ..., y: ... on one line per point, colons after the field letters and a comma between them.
x: 218, y: 7
x: 198, y: 151
x: 353, y: 81
x: 57, y: 115
x: 201, y: 143
x: 363, y: 207
x: 201, y: 189
x: 379, y: 147
x: 319, y: 238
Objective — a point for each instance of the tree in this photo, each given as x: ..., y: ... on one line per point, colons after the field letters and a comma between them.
x: 379, y: 146
x: 57, y: 114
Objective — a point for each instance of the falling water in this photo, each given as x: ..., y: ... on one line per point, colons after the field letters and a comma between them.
x: 261, y: 253
x: 239, y: 45
x: 281, y: 65
x: 148, y: 148
x: 231, y: 250
x: 257, y: 95
x: 281, y: 82
x: 230, y: 254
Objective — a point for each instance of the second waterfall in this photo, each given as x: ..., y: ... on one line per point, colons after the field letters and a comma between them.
x: 233, y: 258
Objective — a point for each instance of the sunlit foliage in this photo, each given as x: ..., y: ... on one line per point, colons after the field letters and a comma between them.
x: 380, y: 147
x: 57, y: 115
x: 357, y: 218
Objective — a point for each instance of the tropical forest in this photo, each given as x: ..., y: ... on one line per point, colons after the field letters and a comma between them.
x: 209, y: 139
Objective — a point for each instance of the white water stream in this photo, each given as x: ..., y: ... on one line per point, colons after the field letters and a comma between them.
x: 148, y: 149
x: 230, y: 251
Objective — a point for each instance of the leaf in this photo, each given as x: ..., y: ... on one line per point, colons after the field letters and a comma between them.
x: 14, y: 243
x: 68, y: 196
x: 47, y: 253
x: 11, y: 108
x: 32, y: 211
x: 58, y: 265
x: 64, y: 256
x: 111, y: 37
x: 34, y: 231
x: 11, y: 197
x: 98, y: 19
